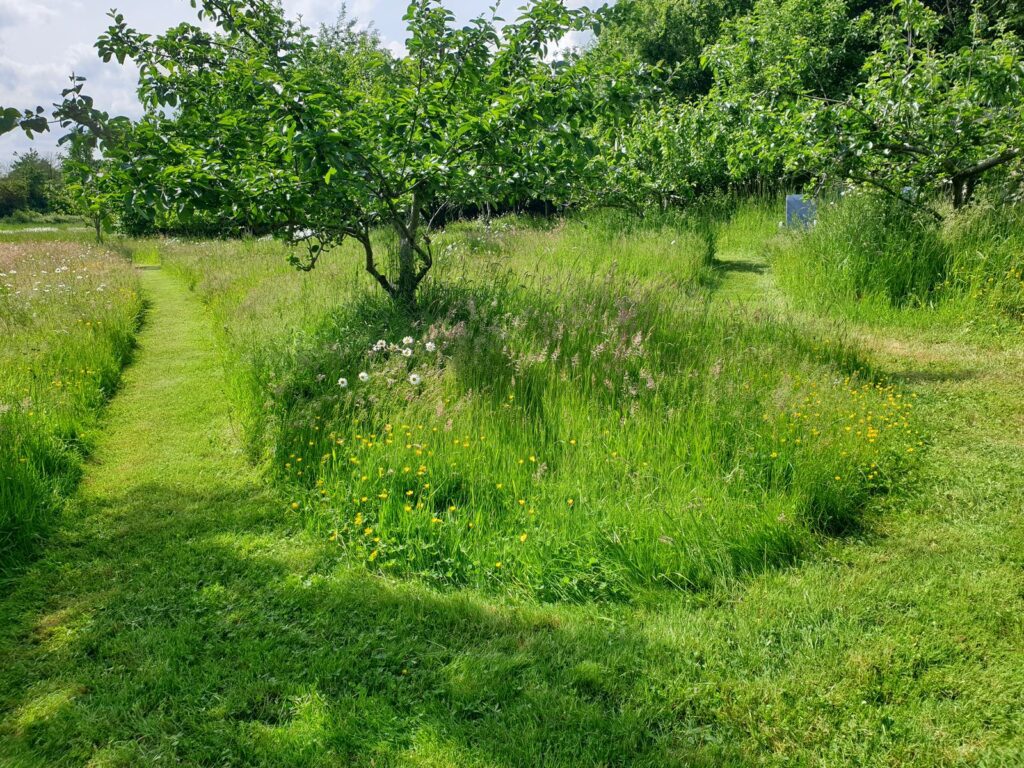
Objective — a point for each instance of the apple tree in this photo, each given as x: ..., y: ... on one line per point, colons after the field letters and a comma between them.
x: 928, y: 118
x: 327, y: 137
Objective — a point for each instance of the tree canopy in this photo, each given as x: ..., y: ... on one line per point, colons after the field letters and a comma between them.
x: 326, y: 136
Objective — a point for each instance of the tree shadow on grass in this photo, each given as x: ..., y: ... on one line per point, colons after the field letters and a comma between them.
x: 206, y: 628
x: 740, y: 265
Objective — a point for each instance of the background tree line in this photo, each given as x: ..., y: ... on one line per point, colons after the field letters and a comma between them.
x: 32, y: 184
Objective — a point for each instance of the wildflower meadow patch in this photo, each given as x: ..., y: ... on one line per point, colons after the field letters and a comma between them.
x: 552, y: 433
x: 68, y: 315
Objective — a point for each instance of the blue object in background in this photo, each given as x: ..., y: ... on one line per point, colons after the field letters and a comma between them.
x: 800, y: 211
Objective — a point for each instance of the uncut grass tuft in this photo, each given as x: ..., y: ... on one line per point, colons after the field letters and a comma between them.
x: 68, y: 315
x: 565, y: 417
x: 878, y: 260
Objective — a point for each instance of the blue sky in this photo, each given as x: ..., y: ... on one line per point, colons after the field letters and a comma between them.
x: 43, y: 41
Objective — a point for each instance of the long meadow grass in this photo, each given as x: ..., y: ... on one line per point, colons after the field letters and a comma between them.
x: 68, y: 315
x: 567, y: 416
x: 878, y: 260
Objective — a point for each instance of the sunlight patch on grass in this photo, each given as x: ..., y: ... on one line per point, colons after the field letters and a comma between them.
x: 47, y: 703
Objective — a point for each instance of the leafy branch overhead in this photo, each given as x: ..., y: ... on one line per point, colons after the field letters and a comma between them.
x: 927, y: 118
x: 816, y: 92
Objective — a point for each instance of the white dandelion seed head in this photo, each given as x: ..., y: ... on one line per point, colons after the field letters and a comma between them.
x: 380, y: 345
x: 431, y: 346
x: 414, y: 379
x: 342, y: 382
x: 408, y: 340
x: 364, y: 376
x: 406, y: 352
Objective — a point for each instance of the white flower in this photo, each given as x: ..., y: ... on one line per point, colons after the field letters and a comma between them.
x: 343, y: 382
x: 414, y: 379
x: 406, y: 352
x: 364, y: 376
x: 408, y: 340
x: 380, y: 345
x: 431, y: 346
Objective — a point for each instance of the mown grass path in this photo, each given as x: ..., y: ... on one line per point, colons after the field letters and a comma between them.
x: 182, y: 616
x: 83, y: 631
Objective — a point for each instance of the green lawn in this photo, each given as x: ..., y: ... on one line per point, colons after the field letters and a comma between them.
x: 185, y: 614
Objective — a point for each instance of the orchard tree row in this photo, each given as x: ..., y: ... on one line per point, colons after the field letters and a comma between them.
x: 264, y: 125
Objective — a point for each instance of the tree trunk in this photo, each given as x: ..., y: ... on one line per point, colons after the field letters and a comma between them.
x: 97, y: 222
x: 405, y: 292
x: 958, y: 192
x: 969, y: 189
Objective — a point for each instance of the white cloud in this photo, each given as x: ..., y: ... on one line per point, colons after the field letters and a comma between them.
x: 15, y: 12
x: 40, y: 83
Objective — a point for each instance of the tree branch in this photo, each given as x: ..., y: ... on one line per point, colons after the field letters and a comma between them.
x: 371, y: 265
x: 987, y: 164
x: 893, y: 193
